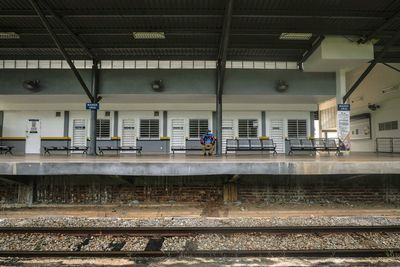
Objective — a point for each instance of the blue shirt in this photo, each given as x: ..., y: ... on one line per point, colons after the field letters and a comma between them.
x: 208, y: 138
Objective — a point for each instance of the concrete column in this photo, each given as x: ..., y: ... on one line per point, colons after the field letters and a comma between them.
x: 66, y: 123
x: 1, y: 122
x: 312, y: 129
x: 230, y: 192
x: 165, y: 123
x: 115, y: 123
x: 93, y: 113
x: 214, y: 120
x: 340, y: 86
x: 219, y: 125
x: 263, y: 124
x: 25, y: 193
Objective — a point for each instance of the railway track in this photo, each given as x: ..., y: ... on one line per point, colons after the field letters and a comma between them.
x: 159, y: 233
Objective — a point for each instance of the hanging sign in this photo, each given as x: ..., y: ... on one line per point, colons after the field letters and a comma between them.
x: 343, y: 125
x: 92, y: 106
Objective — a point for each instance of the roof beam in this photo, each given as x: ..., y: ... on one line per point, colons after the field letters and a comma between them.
x: 392, y: 67
x: 310, y: 51
x: 76, y: 38
x: 373, y: 63
x: 200, y: 32
x: 46, y: 24
x: 206, y: 13
x: 375, y: 33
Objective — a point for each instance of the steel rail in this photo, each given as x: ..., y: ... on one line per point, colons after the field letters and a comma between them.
x: 353, y: 253
x: 176, y: 231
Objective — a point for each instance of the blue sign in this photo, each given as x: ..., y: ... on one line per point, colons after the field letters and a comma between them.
x: 343, y: 107
x: 93, y: 106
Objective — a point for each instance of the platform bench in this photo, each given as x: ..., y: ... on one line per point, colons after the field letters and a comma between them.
x: 301, y: 145
x: 180, y: 148
x: 326, y: 145
x: 118, y: 149
x: 47, y: 149
x: 6, y: 149
x: 250, y: 145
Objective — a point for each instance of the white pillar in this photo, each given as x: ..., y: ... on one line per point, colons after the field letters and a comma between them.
x: 340, y: 85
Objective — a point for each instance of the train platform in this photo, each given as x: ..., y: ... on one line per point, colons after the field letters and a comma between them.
x: 192, y: 165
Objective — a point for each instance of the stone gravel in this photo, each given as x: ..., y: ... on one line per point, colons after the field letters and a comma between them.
x: 193, y: 222
x: 258, y: 241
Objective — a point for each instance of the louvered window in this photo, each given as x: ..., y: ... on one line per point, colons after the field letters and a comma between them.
x: 150, y: 129
x: 197, y: 128
x: 248, y: 128
x: 387, y: 126
x: 103, y: 128
x: 297, y: 129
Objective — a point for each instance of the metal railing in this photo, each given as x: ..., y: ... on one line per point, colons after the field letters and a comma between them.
x: 388, y: 144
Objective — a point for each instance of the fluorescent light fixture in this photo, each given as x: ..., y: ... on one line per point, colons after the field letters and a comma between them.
x: 9, y: 35
x: 390, y: 89
x: 149, y: 35
x: 296, y: 36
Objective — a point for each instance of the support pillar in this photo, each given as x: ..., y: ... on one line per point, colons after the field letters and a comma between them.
x: 66, y: 123
x: 93, y: 113
x: 25, y: 193
x: 219, y: 124
x: 340, y: 86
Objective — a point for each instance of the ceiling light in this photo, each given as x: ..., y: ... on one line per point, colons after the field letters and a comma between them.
x: 295, y: 36
x: 149, y: 35
x: 9, y: 35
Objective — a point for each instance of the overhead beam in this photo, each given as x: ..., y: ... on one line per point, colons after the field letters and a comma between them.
x: 76, y: 38
x: 311, y: 50
x: 220, y: 72
x: 392, y: 67
x: 389, y: 21
x: 46, y: 24
x: 373, y: 63
x: 200, y: 31
x: 146, y: 13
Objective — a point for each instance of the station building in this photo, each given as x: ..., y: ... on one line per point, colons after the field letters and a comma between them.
x: 159, y: 74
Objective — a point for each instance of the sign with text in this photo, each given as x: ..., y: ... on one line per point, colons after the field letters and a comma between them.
x: 92, y: 106
x: 343, y: 125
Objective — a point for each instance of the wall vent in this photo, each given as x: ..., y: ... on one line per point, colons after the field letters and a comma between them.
x: 107, y: 114
x: 156, y: 113
x: 58, y: 114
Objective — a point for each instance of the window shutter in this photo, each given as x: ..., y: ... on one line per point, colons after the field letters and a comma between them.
x: 150, y: 129
x: 197, y: 127
x: 248, y: 128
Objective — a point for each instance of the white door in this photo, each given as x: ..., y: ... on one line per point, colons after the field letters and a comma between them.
x: 178, y: 133
x: 227, y: 132
x: 79, y: 134
x: 128, y: 133
x: 277, y: 135
x: 32, y: 144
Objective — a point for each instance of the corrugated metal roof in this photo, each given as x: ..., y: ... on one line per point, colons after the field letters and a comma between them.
x: 192, y: 27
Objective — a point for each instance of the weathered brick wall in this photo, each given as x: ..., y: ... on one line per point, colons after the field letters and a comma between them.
x: 8, y: 193
x: 111, y: 190
x: 321, y: 189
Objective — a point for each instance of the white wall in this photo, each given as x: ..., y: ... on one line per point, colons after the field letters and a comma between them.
x: 15, y: 123
x: 370, y: 91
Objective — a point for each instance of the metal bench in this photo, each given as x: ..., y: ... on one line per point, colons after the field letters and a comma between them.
x: 118, y: 149
x: 6, y: 149
x: 250, y: 145
x: 301, y: 145
x: 47, y: 149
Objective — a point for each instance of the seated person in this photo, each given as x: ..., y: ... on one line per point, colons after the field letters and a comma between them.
x: 208, y: 143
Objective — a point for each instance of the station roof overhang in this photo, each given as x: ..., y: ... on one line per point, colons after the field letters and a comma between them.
x: 193, y: 29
